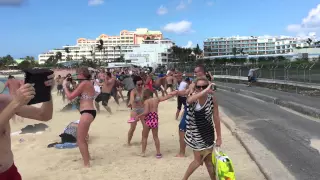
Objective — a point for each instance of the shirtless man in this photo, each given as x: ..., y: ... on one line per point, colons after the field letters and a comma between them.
x: 59, y: 82
x: 161, y: 81
x: 114, y: 91
x: 10, y: 106
x: 169, y: 81
x: 13, y: 85
x: 102, y: 75
x: 105, y: 94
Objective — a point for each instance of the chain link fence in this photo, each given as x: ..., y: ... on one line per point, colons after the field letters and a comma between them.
x: 301, y: 72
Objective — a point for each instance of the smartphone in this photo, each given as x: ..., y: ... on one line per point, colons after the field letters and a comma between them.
x: 38, y: 77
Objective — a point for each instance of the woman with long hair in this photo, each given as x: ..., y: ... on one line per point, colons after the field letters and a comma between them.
x: 136, y: 104
x: 202, y: 123
x: 86, y: 91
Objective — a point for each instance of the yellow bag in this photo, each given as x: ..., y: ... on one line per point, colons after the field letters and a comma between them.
x: 223, y: 165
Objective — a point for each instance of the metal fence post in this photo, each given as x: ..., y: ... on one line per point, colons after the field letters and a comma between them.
x: 274, y: 72
x: 304, y: 72
x: 288, y: 70
x: 310, y: 71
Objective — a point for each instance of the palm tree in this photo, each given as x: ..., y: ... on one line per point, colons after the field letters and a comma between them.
x: 58, y: 56
x: 309, y: 41
x: 67, y: 50
x: 100, y: 47
x: 76, y: 55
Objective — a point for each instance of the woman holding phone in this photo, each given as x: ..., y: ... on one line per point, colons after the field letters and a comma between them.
x: 202, y: 122
x: 86, y: 91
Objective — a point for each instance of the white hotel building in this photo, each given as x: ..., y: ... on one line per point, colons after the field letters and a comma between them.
x: 141, y: 41
x: 251, y: 45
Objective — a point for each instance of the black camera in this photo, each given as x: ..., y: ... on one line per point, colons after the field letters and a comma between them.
x: 38, y: 77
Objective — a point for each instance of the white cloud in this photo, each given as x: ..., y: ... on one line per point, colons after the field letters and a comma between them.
x: 189, y: 44
x: 181, y: 27
x: 189, y: 1
x: 311, y: 23
x: 95, y: 2
x: 162, y: 10
x: 210, y: 3
x: 181, y: 6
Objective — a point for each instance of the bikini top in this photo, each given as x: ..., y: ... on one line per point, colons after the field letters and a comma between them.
x: 86, y: 96
x: 138, y: 98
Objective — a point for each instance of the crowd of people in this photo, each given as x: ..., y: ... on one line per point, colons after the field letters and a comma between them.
x: 199, y: 127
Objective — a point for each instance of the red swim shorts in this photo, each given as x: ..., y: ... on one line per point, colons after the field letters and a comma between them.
x: 11, y: 174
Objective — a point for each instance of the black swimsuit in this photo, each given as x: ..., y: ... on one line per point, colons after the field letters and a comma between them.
x: 92, y: 112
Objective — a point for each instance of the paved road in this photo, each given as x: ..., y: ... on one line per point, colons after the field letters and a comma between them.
x: 284, y: 133
x: 297, y: 98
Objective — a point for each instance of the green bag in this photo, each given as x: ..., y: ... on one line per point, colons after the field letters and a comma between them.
x: 223, y: 165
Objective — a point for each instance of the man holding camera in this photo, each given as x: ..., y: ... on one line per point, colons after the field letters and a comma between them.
x: 17, y: 104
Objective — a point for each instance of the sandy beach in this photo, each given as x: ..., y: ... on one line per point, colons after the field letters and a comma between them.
x: 113, y: 160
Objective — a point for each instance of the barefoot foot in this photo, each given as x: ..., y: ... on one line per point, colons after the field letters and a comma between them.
x: 180, y: 155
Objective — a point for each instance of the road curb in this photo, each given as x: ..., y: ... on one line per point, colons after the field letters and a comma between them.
x: 307, y: 110
x: 268, y: 164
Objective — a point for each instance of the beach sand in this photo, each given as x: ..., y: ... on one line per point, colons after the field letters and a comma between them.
x: 112, y: 159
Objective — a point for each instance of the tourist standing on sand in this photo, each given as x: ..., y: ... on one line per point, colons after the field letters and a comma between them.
x: 17, y: 104
x: 13, y: 85
x: 59, y: 82
x: 159, y: 84
x: 114, y: 91
x: 149, y: 84
x: 169, y: 81
x: 86, y: 92
x: 182, y: 100
x: 151, y: 120
x: 101, y: 75
x: 128, y: 85
x: 199, y: 72
x: 202, y: 122
x: 104, y: 96
x: 136, y: 105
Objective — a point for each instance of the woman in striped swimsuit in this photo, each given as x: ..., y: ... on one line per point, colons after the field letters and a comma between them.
x: 202, y: 121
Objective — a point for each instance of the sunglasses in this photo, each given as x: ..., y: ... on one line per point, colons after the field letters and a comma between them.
x: 140, y: 84
x: 202, y: 87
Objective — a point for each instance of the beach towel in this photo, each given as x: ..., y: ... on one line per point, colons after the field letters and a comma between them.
x: 223, y: 165
x: 66, y: 146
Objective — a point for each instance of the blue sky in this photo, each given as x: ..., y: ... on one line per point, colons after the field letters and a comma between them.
x: 36, y: 26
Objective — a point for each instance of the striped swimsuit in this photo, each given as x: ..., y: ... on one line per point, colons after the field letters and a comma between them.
x: 200, y: 128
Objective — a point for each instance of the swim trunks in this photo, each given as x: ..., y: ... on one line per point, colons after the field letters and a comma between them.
x: 151, y: 120
x: 11, y: 174
x: 183, y: 123
x: 104, y: 97
x: 181, y: 101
